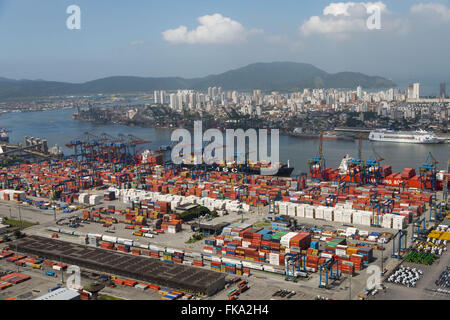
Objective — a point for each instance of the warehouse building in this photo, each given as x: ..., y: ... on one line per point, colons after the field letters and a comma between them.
x: 208, y: 229
x: 175, y: 276
x: 60, y: 294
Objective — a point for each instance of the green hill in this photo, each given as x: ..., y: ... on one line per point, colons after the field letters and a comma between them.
x: 264, y: 76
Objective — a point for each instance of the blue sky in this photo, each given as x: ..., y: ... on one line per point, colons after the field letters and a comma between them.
x: 126, y: 38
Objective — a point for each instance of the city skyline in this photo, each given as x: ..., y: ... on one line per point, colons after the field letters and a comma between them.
x: 197, y: 39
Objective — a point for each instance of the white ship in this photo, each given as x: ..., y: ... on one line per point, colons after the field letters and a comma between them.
x: 421, y: 136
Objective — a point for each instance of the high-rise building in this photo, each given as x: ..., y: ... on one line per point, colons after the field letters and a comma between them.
x: 414, y: 91
x: 156, y: 96
x: 359, y: 92
x: 234, y: 96
x: 162, y: 98
x: 173, y: 101
x: 390, y: 95
x: 442, y: 90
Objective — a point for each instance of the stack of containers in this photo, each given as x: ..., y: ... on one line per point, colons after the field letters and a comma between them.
x: 328, y: 214
x: 386, y: 222
x: 398, y: 222
x: 309, y: 212
x: 285, y: 240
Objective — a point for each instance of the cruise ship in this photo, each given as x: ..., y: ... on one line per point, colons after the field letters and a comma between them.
x: 421, y: 136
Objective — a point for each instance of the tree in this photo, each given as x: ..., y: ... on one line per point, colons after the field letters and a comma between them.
x: 214, y: 214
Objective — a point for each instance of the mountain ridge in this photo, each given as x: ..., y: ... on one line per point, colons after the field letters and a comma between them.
x: 265, y: 76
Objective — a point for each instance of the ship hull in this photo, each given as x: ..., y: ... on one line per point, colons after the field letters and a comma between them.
x: 407, y: 141
x: 418, y: 137
x: 284, y: 171
x: 325, y: 137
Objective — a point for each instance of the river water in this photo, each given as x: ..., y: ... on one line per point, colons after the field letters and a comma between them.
x: 58, y: 127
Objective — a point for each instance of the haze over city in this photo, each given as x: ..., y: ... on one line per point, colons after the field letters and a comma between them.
x: 194, y: 39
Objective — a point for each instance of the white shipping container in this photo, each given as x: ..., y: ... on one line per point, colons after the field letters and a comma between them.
x: 319, y: 212
x: 109, y: 239
x: 300, y: 211
x: 328, y: 214
x: 338, y: 215
x: 309, y: 212
x: 94, y: 200
x: 292, y: 210
x: 347, y: 216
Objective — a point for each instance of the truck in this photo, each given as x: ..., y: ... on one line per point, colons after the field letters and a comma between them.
x: 54, y: 288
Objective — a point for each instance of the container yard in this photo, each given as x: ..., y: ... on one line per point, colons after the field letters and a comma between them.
x: 190, y: 232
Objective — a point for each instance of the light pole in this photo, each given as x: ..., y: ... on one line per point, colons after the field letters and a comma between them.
x: 20, y: 218
x: 62, y: 271
x: 17, y: 252
x: 350, y: 287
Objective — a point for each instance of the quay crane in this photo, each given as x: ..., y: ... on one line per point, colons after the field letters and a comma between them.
x: 317, y: 165
x: 106, y: 148
x: 356, y: 166
x: 373, y: 168
x: 428, y: 173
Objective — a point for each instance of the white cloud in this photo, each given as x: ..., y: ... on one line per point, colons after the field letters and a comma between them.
x: 344, y: 8
x: 137, y: 43
x: 339, y: 19
x: 212, y: 29
x: 432, y: 10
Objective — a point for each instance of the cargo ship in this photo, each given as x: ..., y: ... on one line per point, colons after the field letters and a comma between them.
x: 418, y: 137
x: 284, y: 170
x: 249, y: 168
x: 298, y: 133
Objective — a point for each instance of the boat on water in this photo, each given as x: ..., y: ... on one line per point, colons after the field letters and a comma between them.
x: 4, y: 136
x: 298, y: 133
x: 56, y: 151
x: 249, y: 168
x: 417, y: 137
x: 284, y: 170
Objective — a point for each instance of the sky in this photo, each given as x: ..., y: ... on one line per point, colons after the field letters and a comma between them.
x: 196, y: 38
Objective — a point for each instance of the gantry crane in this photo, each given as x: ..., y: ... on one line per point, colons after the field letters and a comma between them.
x: 428, y: 171
x: 317, y: 165
x: 401, y: 246
x: 373, y: 168
x: 357, y: 166
x: 329, y: 270
x: 295, y: 262
x: 445, y: 185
